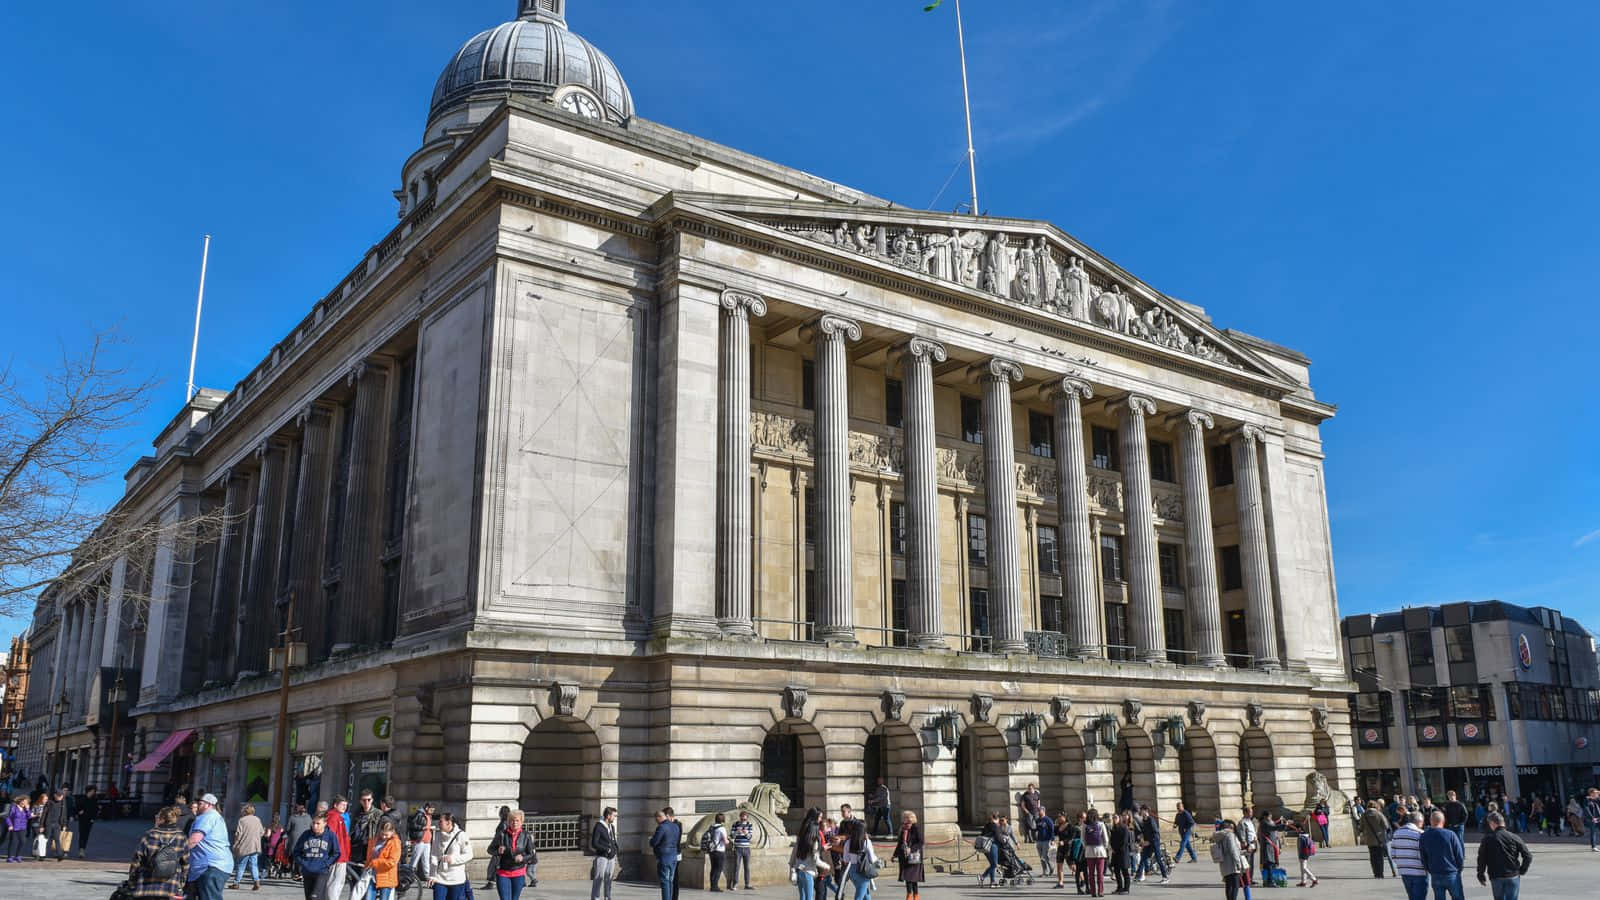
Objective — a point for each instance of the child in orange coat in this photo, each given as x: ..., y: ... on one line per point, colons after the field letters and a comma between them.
x: 383, y: 861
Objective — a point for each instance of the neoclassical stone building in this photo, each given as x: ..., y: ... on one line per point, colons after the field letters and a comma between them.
x: 631, y: 469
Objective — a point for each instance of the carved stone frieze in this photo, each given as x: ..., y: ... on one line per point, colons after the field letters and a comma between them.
x: 780, y: 434
x: 876, y: 451
x: 1106, y: 493
x: 1028, y: 271
x: 959, y: 466
x: 1168, y: 503
x: 1040, y: 481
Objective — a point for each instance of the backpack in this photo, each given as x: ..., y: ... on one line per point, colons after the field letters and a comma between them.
x: 164, y: 865
x: 1307, y: 845
x: 707, y: 842
x: 1094, y: 834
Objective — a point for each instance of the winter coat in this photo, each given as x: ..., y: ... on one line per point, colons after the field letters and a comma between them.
x: 383, y: 861
x: 910, y: 843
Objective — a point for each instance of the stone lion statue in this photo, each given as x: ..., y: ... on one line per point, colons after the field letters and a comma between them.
x: 1317, y: 789
x: 766, y: 806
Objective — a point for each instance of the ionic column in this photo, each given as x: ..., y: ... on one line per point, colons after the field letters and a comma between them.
x: 835, y: 617
x: 225, y: 579
x: 1079, y: 583
x: 256, y: 616
x: 360, y: 570
x: 310, y: 524
x: 1000, y: 487
x: 1199, y: 545
x: 1144, y: 571
x: 923, y: 615
x: 734, y: 604
x: 1261, y: 624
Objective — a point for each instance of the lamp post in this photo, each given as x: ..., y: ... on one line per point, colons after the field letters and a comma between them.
x: 61, y: 707
x: 280, y: 740
x: 119, y: 693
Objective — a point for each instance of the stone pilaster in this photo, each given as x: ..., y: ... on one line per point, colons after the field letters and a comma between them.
x: 1145, y: 624
x: 225, y: 579
x: 1000, y: 483
x: 923, y: 614
x: 360, y: 571
x: 835, y: 620
x: 1199, y: 545
x: 310, y: 520
x: 1077, y: 545
x: 257, y: 618
x: 1261, y: 624
x: 735, y: 607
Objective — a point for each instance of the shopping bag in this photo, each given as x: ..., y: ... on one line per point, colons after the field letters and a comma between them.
x: 65, y: 841
x: 41, y: 846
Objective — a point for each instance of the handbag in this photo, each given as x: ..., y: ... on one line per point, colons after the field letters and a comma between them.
x: 41, y: 846
x: 982, y: 844
x: 868, y: 867
x: 914, y: 858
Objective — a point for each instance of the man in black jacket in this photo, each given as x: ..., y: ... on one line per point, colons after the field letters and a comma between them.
x: 1455, y: 814
x: 1502, y: 859
x: 603, y: 844
x: 56, y: 819
x: 1591, y: 819
x: 88, y: 811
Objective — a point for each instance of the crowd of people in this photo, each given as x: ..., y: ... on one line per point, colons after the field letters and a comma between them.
x: 1531, y: 814
x: 48, y: 823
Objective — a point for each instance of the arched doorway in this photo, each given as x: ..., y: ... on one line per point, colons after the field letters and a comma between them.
x: 1197, y: 772
x: 1063, y: 772
x: 983, y: 767
x: 560, y: 768
x: 1327, y: 759
x: 792, y: 758
x: 894, y: 753
x: 1135, y: 758
x: 1258, y: 771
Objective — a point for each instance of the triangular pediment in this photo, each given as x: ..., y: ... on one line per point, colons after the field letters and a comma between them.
x: 1016, y: 262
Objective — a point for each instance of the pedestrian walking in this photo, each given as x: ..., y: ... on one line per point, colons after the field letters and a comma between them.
x: 1184, y: 820
x: 363, y: 822
x: 1305, y: 848
x: 339, y: 825
x: 419, y: 837
x: 743, y: 833
x: 1503, y: 859
x: 383, y: 861
x: 1455, y: 815
x: 87, y: 811
x: 247, y: 833
x: 15, y: 822
x: 806, y: 864
x: 1030, y: 807
x: 53, y: 821
x: 860, y: 861
x: 878, y: 806
x: 1591, y: 818
x: 908, y: 853
x: 450, y: 853
x: 160, y: 863
x: 299, y: 823
x: 1122, y: 843
x: 1150, y: 836
x: 1405, y: 852
x: 1375, y: 833
x: 1443, y: 856
x: 1044, y: 834
x: 1225, y: 851
x: 603, y: 844
x: 505, y: 813
x: 714, y: 844
x: 664, y: 843
x: 513, y: 857
x: 315, y: 853
x: 210, y: 860
x: 1095, y: 852
x: 988, y: 843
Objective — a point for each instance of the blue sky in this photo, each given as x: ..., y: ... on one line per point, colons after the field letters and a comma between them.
x: 1406, y: 193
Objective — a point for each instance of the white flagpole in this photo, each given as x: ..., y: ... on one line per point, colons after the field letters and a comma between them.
x: 966, y: 101
x: 199, y: 300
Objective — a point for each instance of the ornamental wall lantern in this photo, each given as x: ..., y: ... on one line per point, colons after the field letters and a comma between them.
x: 1175, y: 735
x: 1107, y: 730
x: 948, y: 728
x: 1031, y: 726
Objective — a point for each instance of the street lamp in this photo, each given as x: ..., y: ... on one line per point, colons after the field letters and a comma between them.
x: 1107, y: 730
x: 61, y: 707
x: 1032, y: 727
x: 948, y: 728
x: 118, y: 694
x: 1175, y: 735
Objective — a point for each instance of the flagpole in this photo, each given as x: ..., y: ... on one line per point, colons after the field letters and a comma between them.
x: 966, y: 101
x: 199, y: 300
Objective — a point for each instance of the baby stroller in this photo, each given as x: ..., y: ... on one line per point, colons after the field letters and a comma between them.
x: 1013, y: 870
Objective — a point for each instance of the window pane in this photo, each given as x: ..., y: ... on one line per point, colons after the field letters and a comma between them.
x: 1050, y: 612
x: 897, y: 612
x: 971, y: 420
x: 1465, y: 702
x: 1041, y: 434
x: 1458, y: 643
x: 1419, y: 647
x: 1117, y: 631
x: 1049, y: 563
x: 1161, y: 461
x: 1105, y: 448
x: 897, y: 528
x: 977, y: 540
x: 1221, y: 466
x: 1427, y: 704
x: 1171, y: 557
x: 1177, y: 636
x: 811, y: 516
x: 893, y: 403
x: 1111, y: 557
x: 978, y: 617
x: 1362, y: 656
x: 808, y: 384
x: 1232, y: 568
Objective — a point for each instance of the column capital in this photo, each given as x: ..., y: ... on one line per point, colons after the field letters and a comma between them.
x: 314, y: 409
x: 832, y: 326
x: 917, y: 348
x: 1066, y: 385
x: 1137, y: 404
x: 1250, y: 433
x: 1191, y: 418
x: 741, y: 303
x: 377, y: 362
x: 268, y: 445
x: 995, y: 368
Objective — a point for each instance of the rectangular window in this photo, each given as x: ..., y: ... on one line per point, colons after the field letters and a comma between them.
x: 978, y: 617
x: 897, y: 528
x: 1471, y: 701
x: 1363, y: 658
x: 1375, y: 708
x: 1221, y: 465
x: 894, y: 414
x: 1111, y: 557
x: 1425, y: 704
x: 897, y: 612
x: 808, y: 384
x: 1458, y: 643
x: 1177, y: 636
x: 1041, y: 434
x: 1171, y: 558
x: 977, y: 540
x: 1049, y: 562
x: 1050, y: 613
x: 971, y: 419
x: 1238, y: 638
x: 1419, y: 647
x: 1514, y: 708
x: 810, y: 617
x: 1104, y: 441
x: 1232, y: 568
x: 1161, y: 461
x: 1117, y: 632
x: 811, y: 515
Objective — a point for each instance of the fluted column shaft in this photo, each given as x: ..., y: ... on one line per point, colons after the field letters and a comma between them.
x: 1199, y: 544
x: 1000, y: 484
x: 360, y: 569
x: 835, y: 616
x: 1261, y: 624
x: 923, y: 614
x: 225, y: 580
x: 1076, y: 547
x: 257, y: 619
x: 1145, y: 624
x: 80, y: 657
x: 735, y: 609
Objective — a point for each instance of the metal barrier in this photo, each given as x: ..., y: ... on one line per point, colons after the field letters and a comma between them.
x: 555, y: 833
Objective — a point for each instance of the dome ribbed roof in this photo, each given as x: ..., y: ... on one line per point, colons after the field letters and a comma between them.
x: 534, y: 55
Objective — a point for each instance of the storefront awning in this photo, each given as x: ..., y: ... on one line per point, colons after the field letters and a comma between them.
x: 149, y: 763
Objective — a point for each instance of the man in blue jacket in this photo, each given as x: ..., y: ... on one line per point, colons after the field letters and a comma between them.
x: 1185, y: 822
x: 1443, y: 856
x: 664, y: 844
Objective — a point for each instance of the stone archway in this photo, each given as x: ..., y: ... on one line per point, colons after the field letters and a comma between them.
x: 1327, y: 758
x: 560, y: 768
x: 1197, y: 774
x: 792, y: 757
x: 1258, y: 770
x: 983, y: 774
x: 1135, y: 756
x: 1063, y: 771
x: 894, y: 753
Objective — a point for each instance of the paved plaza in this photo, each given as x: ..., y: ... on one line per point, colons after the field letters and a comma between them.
x: 1561, y: 869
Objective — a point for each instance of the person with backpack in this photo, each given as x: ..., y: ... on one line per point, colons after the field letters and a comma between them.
x: 1185, y: 822
x: 1229, y: 857
x: 15, y: 823
x: 315, y: 853
x: 714, y: 844
x: 450, y: 854
x: 1095, y: 852
x: 512, y: 857
x: 160, y: 865
x: 1305, y: 848
x: 419, y: 832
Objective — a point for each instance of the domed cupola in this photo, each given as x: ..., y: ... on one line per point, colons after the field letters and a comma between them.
x: 538, y: 57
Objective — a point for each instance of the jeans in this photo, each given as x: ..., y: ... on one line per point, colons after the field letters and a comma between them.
x: 1230, y: 886
x: 667, y: 875
x: 601, y: 875
x: 1461, y: 832
x: 1152, y: 853
x: 17, y: 844
x: 863, y: 884
x: 1044, y: 855
x: 1305, y: 872
x: 1416, y: 886
x: 738, y: 858
x: 450, y: 891
x: 315, y: 885
x: 1447, y: 886
x: 880, y: 816
x: 208, y: 884
x: 806, y: 884
x: 378, y: 893
x: 247, y: 861
x: 1505, y: 888
x: 719, y: 858
x: 509, y: 887
x: 1594, y: 835
x: 994, y: 861
x: 1184, y: 844
x: 1094, y: 875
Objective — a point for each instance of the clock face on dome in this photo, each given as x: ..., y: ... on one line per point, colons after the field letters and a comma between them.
x: 580, y: 103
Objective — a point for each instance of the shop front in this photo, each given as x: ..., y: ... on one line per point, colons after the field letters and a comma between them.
x: 366, y: 744
x: 1375, y: 783
x: 258, y: 764
x: 1434, y: 782
x: 306, y: 747
x: 214, y: 763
